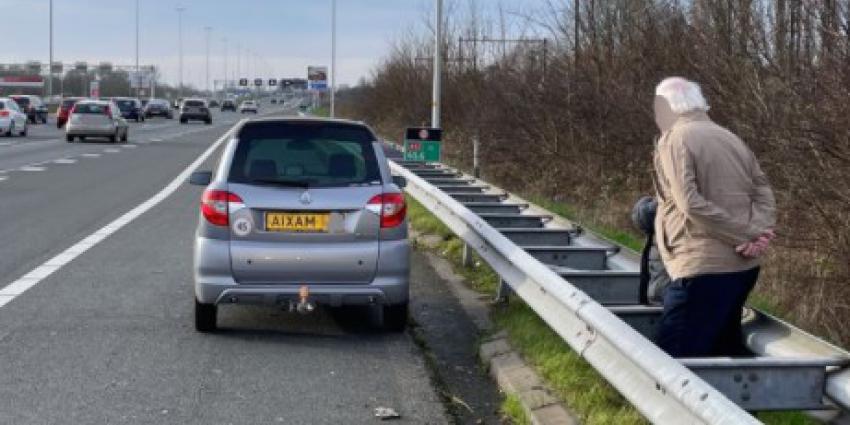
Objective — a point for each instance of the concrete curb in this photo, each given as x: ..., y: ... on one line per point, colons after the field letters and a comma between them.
x: 506, y: 366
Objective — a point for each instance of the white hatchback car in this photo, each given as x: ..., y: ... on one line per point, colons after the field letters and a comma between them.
x: 248, y: 106
x: 13, y: 121
x: 96, y: 118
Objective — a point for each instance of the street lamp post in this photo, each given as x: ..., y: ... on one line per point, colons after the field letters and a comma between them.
x: 438, y: 64
x: 224, y: 86
x: 208, y: 30
x: 138, y: 76
x: 50, y: 59
x: 180, y: 49
x: 333, y: 59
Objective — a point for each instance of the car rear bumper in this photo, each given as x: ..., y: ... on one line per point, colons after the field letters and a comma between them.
x: 199, y: 117
x: 84, y: 130
x: 214, y: 281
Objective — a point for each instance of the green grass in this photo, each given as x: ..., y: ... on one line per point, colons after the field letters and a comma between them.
x: 321, y: 111
x: 512, y: 409
x: 572, y: 379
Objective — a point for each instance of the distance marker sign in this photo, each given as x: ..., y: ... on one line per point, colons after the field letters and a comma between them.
x: 422, y: 144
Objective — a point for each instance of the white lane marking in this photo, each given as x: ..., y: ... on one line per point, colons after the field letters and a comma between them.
x: 3, y: 178
x: 129, y: 146
x: 65, y: 161
x: 5, y: 143
x: 27, y: 281
x: 31, y: 168
x: 91, y: 155
x: 112, y: 150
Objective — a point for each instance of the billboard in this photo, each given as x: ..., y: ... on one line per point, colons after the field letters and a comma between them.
x: 22, y: 81
x: 142, y: 79
x: 317, y: 78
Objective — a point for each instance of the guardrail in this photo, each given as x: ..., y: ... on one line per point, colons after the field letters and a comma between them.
x: 585, y: 288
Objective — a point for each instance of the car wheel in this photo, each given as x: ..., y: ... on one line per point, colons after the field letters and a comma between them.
x: 182, y: 121
x: 24, y: 131
x: 125, y: 136
x: 44, y: 120
x: 206, y: 317
x: 113, y: 137
x: 208, y: 122
x: 69, y: 138
x: 138, y: 119
x: 395, y: 317
x: 11, y: 131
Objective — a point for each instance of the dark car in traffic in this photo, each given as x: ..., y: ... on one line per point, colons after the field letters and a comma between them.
x: 35, y: 109
x: 131, y: 108
x: 228, y: 105
x: 158, y: 108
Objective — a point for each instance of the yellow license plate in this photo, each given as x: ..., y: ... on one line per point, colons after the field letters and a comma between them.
x: 296, y: 222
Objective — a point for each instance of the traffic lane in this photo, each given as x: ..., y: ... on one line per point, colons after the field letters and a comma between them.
x: 110, y: 338
x: 44, y: 212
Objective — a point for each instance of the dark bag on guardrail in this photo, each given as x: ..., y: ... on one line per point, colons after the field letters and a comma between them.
x: 654, y: 279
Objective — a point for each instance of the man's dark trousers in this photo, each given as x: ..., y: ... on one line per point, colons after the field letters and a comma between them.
x: 702, y: 314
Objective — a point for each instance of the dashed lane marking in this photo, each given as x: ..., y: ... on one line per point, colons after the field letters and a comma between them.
x: 91, y: 155
x: 27, y: 281
x: 112, y: 150
x: 31, y: 168
x: 65, y: 161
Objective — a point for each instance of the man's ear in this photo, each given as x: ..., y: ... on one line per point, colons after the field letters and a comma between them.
x: 664, y: 115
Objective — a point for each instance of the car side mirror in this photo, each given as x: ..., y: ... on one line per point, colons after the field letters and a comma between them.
x: 400, y: 181
x: 200, y: 178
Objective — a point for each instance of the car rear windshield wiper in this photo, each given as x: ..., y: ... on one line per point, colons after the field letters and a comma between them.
x: 284, y: 183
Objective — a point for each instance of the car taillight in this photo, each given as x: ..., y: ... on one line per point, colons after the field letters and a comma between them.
x: 4, y: 113
x: 390, y: 206
x: 215, y: 205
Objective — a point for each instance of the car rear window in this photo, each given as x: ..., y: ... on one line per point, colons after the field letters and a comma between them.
x: 193, y: 103
x: 67, y: 103
x: 124, y: 104
x: 89, y: 108
x: 23, y: 101
x: 314, y: 154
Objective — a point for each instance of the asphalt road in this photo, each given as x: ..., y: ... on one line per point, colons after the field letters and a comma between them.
x: 109, y: 337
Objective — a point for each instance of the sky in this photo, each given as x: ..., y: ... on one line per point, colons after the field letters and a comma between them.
x: 275, y: 38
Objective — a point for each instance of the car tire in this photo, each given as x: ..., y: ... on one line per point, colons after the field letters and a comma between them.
x: 125, y: 136
x: 11, y: 131
x: 183, y: 121
x: 206, y: 317
x: 23, y: 132
x: 208, y: 122
x: 113, y: 137
x: 69, y: 138
x: 138, y: 119
x: 395, y: 317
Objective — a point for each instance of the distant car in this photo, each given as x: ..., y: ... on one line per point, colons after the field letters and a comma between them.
x: 195, y: 109
x: 96, y: 118
x: 300, y: 213
x: 248, y: 106
x: 228, y: 105
x: 13, y: 121
x: 158, y: 108
x: 213, y: 103
x: 273, y: 101
x: 131, y: 108
x: 65, y: 109
x: 33, y: 106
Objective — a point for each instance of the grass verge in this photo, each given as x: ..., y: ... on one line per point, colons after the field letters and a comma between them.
x: 573, y: 380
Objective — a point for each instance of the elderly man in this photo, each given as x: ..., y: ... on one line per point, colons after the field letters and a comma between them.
x: 715, y: 219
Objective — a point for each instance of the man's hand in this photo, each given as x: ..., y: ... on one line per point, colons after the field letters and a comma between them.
x: 757, y: 247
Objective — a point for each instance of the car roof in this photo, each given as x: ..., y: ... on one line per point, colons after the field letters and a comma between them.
x: 104, y: 101
x: 306, y: 119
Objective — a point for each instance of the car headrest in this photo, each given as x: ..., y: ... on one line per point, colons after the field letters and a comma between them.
x: 342, y: 165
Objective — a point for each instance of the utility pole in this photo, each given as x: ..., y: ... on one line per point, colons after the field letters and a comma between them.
x: 333, y: 59
x: 438, y: 64
x: 138, y: 76
x: 208, y: 30
x: 180, y: 49
x: 224, y: 87
x: 50, y: 60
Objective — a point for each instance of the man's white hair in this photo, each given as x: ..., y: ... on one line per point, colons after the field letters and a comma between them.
x: 683, y: 95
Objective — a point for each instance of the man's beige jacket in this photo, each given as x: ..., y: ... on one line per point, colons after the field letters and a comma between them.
x: 712, y: 197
